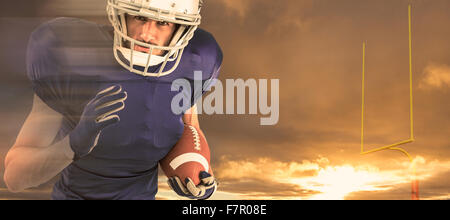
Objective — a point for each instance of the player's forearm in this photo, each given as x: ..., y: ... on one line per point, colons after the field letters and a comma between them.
x: 27, y: 167
x: 191, y: 117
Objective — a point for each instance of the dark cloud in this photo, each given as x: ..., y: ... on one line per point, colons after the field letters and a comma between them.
x: 433, y: 189
x: 257, y: 188
x: 402, y: 192
x: 436, y: 187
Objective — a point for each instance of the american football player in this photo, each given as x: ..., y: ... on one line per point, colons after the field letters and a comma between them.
x: 101, y: 114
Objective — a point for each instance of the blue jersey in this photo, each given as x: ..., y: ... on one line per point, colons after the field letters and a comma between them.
x: 69, y: 61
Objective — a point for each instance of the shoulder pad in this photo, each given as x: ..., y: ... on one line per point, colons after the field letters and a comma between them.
x: 203, y: 54
x: 59, y: 55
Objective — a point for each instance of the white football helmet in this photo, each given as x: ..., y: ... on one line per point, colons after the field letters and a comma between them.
x: 185, y: 13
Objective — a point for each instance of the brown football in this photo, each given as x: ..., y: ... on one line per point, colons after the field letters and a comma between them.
x: 188, y: 157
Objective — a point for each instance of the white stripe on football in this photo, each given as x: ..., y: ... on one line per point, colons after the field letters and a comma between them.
x: 189, y: 157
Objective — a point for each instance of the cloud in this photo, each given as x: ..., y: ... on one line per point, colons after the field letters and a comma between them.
x: 266, y: 178
x: 433, y: 188
x: 435, y: 77
x: 269, y: 16
x: 236, y: 6
x: 263, y: 167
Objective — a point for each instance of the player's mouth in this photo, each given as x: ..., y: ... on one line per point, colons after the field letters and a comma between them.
x: 147, y: 50
x: 141, y: 49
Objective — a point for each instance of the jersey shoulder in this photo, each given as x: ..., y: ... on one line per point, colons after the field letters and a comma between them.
x: 205, y: 45
x: 71, y: 32
x: 204, y: 54
x: 64, y: 57
x: 67, y: 42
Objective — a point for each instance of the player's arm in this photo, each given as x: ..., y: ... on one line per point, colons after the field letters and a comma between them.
x: 33, y: 159
x: 191, y: 117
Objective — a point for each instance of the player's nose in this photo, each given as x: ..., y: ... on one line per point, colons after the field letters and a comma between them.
x: 148, y: 31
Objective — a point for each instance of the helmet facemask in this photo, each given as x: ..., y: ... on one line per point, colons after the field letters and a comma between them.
x: 186, y: 15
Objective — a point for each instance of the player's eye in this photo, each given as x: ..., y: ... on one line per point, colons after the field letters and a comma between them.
x: 140, y: 18
x: 162, y: 23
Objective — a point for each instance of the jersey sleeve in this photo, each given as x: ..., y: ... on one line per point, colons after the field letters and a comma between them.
x: 39, y: 62
x: 51, y: 75
x: 210, y: 62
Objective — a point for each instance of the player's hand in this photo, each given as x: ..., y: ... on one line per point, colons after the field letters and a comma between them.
x: 97, y: 114
x: 204, y: 190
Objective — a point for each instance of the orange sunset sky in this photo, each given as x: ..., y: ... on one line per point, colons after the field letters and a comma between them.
x: 314, y: 47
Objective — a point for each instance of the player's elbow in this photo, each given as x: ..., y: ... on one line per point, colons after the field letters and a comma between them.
x: 11, y: 184
x: 15, y: 188
x: 10, y: 178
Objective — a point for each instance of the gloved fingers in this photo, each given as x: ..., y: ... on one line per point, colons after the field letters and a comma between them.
x: 209, y: 192
x: 210, y: 182
x: 177, y: 186
x: 106, y: 121
x: 210, y: 185
x: 108, y: 110
x: 112, y: 90
x: 190, y: 190
x: 206, y: 178
x: 214, y: 185
x: 111, y: 100
x: 197, y: 191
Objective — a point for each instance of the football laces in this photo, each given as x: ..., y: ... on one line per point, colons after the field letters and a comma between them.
x: 196, y: 138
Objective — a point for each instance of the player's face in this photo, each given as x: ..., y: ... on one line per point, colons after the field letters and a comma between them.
x: 149, y: 31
